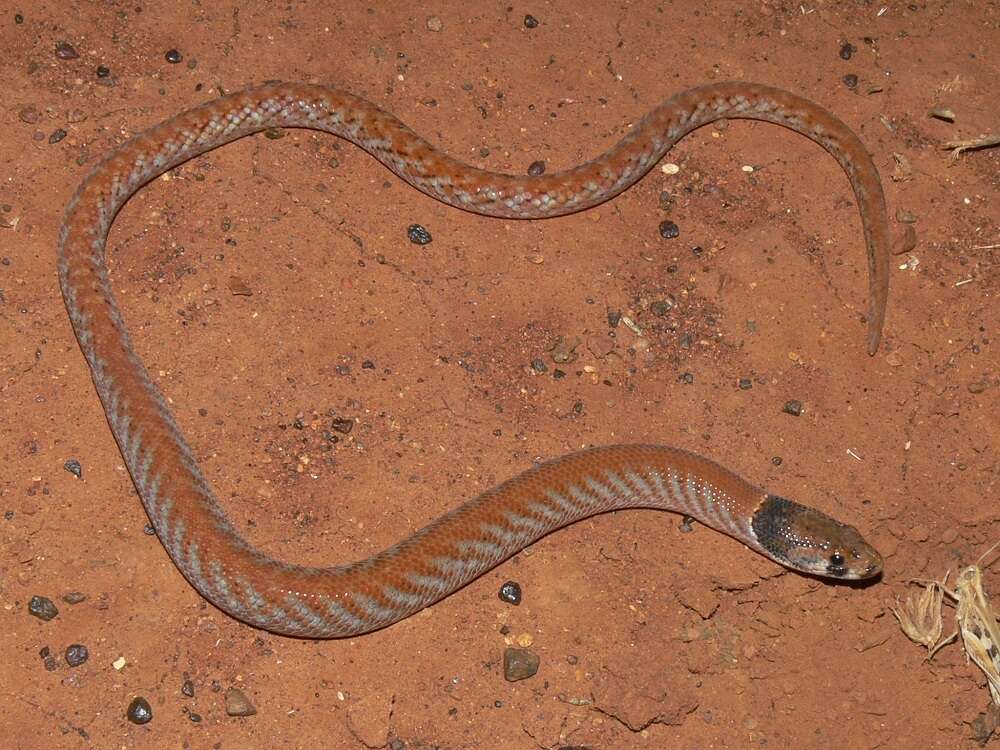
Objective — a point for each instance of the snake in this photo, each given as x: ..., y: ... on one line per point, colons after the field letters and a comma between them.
x: 350, y: 599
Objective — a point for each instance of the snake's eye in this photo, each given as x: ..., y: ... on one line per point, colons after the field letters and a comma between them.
x: 837, y: 560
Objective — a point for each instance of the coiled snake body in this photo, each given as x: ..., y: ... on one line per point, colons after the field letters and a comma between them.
x: 458, y: 547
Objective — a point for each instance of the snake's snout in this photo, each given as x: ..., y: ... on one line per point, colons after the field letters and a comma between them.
x: 874, y: 566
x: 857, y: 561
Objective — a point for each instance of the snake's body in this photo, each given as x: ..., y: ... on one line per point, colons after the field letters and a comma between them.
x: 458, y: 547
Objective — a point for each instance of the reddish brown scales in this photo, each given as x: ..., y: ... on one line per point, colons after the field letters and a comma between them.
x: 455, y: 549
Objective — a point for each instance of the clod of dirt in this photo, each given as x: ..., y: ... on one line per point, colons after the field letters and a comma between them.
x: 563, y: 350
x: 237, y: 704
x: 368, y: 720
x: 639, y: 708
x: 238, y: 287
x: 984, y: 725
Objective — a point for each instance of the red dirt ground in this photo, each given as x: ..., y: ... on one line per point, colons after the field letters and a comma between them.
x: 648, y: 637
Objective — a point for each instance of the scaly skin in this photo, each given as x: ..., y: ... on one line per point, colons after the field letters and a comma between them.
x: 458, y: 547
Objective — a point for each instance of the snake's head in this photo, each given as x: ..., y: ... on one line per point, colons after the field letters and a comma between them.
x: 809, y: 541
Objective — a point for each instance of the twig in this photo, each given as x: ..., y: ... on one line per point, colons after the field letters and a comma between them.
x: 957, y: 147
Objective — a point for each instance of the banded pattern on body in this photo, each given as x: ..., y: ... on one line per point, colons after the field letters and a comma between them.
x: 455, y: 549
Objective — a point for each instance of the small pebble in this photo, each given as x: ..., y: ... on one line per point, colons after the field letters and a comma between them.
x: 558, y: 374
x: 57, y: 135
x: 73, y: 467
x: 74, y: 597
x: 434, y: 24
x: 669, y: 230
x: 793, y: 407
x: 614, y: 318
x: 29, y: 114
x: 942, y: 113
x: 343, y: 425
x: 777, y: 460
x: 237, y: 704
x: 103, y: 71
x: 173, y: 56
x: 238, y: 287
x: 985, y: 725
x: 510, y: 592
x: 536, y: 168
x: 847, y: 50
x: 564, y: 350
x: 139, y: 711
x: 686, y: 378
x: 48, y: 660
x: 76, y: 654
x: 530, y: 22
x: 745, y: 384
x: 519, y: 664
x: 42, y: 608
x: 187, y: 688
x: 538, y: 365
x: 418, y: 235
x: 851, y: 81
x: 661, y: 307
x: 65, y: 51
x: 977, y: 387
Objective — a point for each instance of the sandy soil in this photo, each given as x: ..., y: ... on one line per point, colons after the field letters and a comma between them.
x: 648, y: 636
